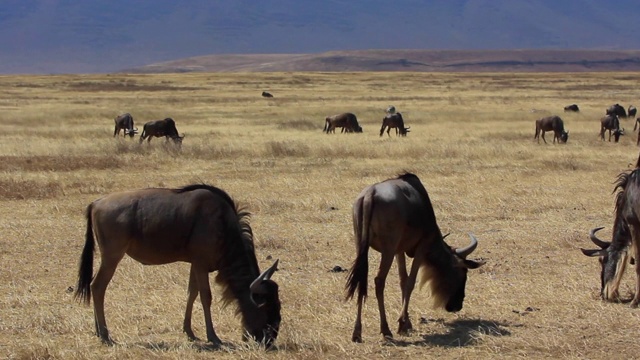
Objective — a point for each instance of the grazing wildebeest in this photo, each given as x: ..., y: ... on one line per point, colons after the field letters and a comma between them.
x: 632, y: 111
x: 551, y: 123
x: 347, y: 121
x: 266, y: 94
x: 617, y: 109
x: 124, y: 122
x: 611, y: 123
x: 626, y: 237
x: 198, y: 224
x: 395, y: 217
x: 394, y: 121
x: 160, y: 128
x: 571, y: 108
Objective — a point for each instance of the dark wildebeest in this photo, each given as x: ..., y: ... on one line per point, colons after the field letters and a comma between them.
x: 632, y: 111
x: 395, y: 217
x: 611, y: 123
x: 394, y: 121
x: 124, y: 122
x: 266, y: 94
x: 626, y: 237
x: 160, y: 128
x: 617, y: 109
x: 551, y: 123
x: 198, y: 224
x: 347, y: 121
x: 571, y: 108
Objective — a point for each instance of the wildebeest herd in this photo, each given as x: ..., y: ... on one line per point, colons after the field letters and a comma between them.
x: 202, y: 225
x: 610, y: 122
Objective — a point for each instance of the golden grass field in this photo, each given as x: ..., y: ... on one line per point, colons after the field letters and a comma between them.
x: 471, y: 142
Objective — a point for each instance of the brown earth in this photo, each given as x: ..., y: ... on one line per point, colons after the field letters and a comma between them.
x: 409, y: 60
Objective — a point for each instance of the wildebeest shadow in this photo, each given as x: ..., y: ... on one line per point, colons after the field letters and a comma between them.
x: 460, y: 333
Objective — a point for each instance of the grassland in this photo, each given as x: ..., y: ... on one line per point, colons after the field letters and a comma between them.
x: 531, y: 206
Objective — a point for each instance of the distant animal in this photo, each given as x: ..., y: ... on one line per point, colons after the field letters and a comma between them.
x: 395, y: 217
x: 124, y: 122
x: 611, y: 123
x: 617, y: 109
x: 347, y: 121
x: 394, y: 121
x: 632, y: 111
x: 160, y: 128
x: 626, y: 238
x: 571, y: 108
x: 551, y: 123
x: 197, y: 224
x: 266, y: 94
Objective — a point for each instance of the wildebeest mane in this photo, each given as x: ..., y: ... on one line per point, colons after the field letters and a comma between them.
x: 239, y: 266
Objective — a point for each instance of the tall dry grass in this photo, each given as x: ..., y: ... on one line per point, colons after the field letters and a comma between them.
x: 471, y: 142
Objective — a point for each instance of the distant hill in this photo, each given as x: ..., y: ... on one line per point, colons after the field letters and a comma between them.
x: 409, y: 60
x: 55, y: 36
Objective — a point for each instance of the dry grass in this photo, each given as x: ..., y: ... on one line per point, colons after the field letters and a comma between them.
x: 471, y: 142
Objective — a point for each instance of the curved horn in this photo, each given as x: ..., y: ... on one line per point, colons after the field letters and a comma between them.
x: 266, y: 275
x: 592, y: 235
x: 465, y: 251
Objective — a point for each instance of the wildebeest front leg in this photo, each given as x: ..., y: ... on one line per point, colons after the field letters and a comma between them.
x: 636, y: 256
x: 204, y: 288
x: 545, y: 141
x: 404, y: 322
x: 383, y: 271
x: 192, y: 294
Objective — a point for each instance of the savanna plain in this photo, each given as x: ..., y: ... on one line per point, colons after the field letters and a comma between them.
x: 530, y: 205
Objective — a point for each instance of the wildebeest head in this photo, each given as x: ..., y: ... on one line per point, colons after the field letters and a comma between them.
x: 617, y: 133
x: 450, y: 292
x: 564, y: 137
x: 264, y: 326
x: 612, y: 258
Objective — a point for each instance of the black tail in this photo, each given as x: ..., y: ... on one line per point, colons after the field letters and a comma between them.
x: 85, y: 271
x: 357, y: 278
x: 326, y: 125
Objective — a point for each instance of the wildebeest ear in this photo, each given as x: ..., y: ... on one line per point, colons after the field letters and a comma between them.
x: 594, y: 252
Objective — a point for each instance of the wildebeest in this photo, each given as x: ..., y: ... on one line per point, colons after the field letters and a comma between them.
x: 266, y: 94
x: 160, y: 128
x: 347, y: 121
x: 571, y: 108
x: 124, y: 122
x: 198, y: 224
x: 632, y: 111
x: 551, y: 123
x: 611, y: 123
x: 394, y: 121
x: 395, y: 217
x: 626, y: 237
x: 617, y: 109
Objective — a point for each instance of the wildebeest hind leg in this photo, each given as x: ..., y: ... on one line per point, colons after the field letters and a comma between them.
x: 383, y: 271
x: 192, y: 294
x: 636, y: 256
x: 98, y: 288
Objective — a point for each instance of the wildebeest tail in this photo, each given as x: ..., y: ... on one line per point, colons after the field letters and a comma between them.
x: 85, y: 270
x: 326, y: 125
x: 357, y: 278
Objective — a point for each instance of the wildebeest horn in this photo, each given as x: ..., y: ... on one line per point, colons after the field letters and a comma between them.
x: 465, y: 251
x: 592, y: 235
x: 266, y: 275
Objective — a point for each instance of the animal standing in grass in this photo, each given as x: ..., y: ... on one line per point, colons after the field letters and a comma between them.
x: 124, y: 122
x: 626, y: 238
x: 571, y: 108
x: 197, y: 224
x: 396, y: 121
x: 612, y: 124
x: 347, y: 121
x: 395, y: 217
x: 160, y: 128
x: 551, y: 123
